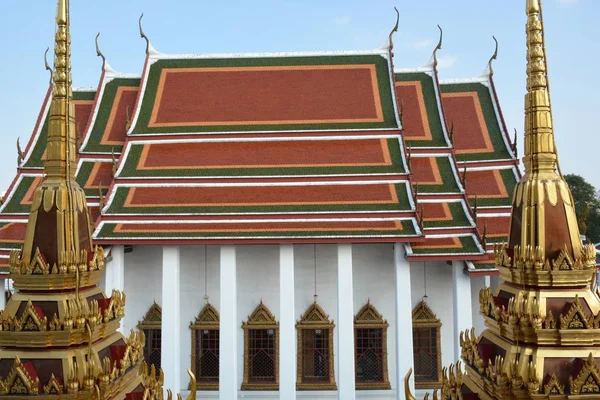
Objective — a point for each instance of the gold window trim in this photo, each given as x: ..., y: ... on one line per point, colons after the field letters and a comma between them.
x: 315, y: 318
x: 370, y: 318
x: 424, y: 318
x: 261, y: 318
x: 207, y: 319
x: 152, y: 319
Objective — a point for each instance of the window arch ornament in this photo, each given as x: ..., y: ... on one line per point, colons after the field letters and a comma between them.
x: 205, y: 348
x: 315, y: 369
x: 370, y: 349
x: 427, y: 347
x: 151, y: 325
x: 261, y: 350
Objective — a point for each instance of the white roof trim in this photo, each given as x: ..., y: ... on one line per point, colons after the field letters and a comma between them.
x: 155, y: 56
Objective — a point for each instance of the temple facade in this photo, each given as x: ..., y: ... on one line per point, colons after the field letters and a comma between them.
x: 288, y: 225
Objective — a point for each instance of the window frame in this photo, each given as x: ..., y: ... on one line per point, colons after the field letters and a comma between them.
x: 152, y: 321
x: 207, y: 319
x: 315, y: 318
x: 260, y: 319
x: 369, y: 318
x: 424, y: 318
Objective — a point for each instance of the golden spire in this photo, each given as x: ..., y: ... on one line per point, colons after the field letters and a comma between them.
x: 59, y: 226
x: 543, y: 222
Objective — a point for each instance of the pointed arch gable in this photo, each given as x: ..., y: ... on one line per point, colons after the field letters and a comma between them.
x: 152, y: 318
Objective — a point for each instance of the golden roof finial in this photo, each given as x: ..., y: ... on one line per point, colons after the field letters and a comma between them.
x: 543, y: 219
x: 59, y: 208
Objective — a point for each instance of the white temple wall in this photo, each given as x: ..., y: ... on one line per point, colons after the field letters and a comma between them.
x: 439, y: 298
x: 143, y: 277
x: 258, y: 278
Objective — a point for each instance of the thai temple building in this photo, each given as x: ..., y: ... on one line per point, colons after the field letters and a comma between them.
x: 284, y: 225
x: 59, y: 335
x: 543, y: 322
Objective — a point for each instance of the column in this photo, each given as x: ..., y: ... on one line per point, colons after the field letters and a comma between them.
x: 463, y: 313
x: 487, y: 281
x: 287, y: 324
x: 2, y: 293
x: 171, y: 338
x: 114, y: 278
x: 345, y: 328
x: 229, y: 326
x: 404, y: 339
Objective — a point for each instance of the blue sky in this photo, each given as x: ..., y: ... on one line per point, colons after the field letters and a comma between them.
x: 198, y: 26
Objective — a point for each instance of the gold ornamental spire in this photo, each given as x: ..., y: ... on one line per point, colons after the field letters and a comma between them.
x: 59, y: 223
x: 543, y: 221
x: 60, y: 155
x: 540, y: 150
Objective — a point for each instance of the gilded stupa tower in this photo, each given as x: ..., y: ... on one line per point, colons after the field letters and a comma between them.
x: 543, y: 323
x: 58, y: 336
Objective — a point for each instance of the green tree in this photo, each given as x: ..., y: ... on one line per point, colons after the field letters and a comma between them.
x: 587, y: 205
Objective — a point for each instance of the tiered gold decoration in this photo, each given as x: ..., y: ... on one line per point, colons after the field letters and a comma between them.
x: 58, y: 333
x: 543, y: 324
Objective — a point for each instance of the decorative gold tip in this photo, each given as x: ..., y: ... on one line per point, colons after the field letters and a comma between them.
x: 394, y: 30
x: 407, y: 393
x: 63, y: 12
x: 438, y: 47
x: 533, y: 6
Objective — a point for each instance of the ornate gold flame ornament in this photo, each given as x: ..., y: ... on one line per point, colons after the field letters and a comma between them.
x: 543, y: 323
x: 58, y: 333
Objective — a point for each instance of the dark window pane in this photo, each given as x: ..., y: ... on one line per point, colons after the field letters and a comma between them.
x: 261, y: 355
x: 152, y: 348
x: 315, y: 355
x: 369, y: 355
x: 425, y: 348
x: 207, y: 356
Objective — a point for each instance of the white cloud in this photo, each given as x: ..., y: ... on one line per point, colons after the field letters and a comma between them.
x: 342, y: 20
x: 567, y: 2
x: 423, y: 43
x: 446, y: 61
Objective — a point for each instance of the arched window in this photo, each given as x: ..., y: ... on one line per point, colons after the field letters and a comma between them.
x: 205, y: 348
x: 427, y: 347
x: 151, y: 326
x: 261, y: 350
x: 370, y: 350
x: 315, y: 350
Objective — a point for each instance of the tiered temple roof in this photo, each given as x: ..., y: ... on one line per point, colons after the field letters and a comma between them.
x: 285, y: 147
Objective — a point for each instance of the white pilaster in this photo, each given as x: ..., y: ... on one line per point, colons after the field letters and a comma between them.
x: 114, y: 277
x: 404, y: 339
x: 463, y: 313
x: 171, y: 338
x: 2, y: 293
x: 229, y: 326
x: 487, y: 281
x: 287, y: 324
x: 345, y: 328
